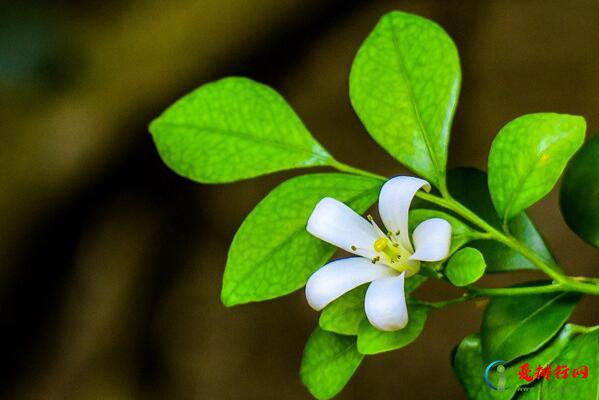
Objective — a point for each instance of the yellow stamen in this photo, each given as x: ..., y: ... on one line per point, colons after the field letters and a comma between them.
x: 380, y: 244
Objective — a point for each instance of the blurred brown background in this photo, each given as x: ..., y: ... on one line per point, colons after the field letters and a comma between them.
x: 110, y: 264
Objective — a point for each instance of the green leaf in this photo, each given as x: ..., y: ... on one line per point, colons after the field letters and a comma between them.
x: 272, y: 254
x: 580, y: 193
x: 465, y: 267
x: 469, y: 186
x: 404, y: 86
x: 328, y: 363
x: 470, y: 368
x: 582, y: 351
x: 460, y: 232
x: 373, y: 341
x: 517, y: 325
x: 527, y: 158
x: 345, y: 314
x: 234, y: 129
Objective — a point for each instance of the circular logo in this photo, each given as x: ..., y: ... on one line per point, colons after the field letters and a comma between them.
x: 498, y: 367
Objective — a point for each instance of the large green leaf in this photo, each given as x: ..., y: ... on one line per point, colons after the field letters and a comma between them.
x: 582, y: 351
x: 345, y: 314
x: 404, y: 86
x: 465, y: 267
x: 233, y: 129
x: 579, y: 196
x: 329, y: 361
x: 272, y: 254
x: 469, y: 186
x: 470, y: 368
x: 527, y: 158
x: 373, y: 341
x: 513, y: 326
x: 460, y: 232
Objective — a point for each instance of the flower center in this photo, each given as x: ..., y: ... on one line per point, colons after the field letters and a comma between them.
x: 390, y: 252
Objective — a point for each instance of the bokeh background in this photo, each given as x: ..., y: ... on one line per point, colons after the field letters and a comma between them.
x: 111, y: 265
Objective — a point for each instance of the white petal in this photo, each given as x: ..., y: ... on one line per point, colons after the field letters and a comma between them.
x: 432, y: 239
x: 394, y: 204
x: 385, y: 304
x: 336, y: 223
x: 339, y: 277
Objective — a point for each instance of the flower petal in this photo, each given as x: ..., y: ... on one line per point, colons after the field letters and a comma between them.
x: 336, y: 223
x: 385, y: 304
x: 339, y: 277
x: 394, y: 204
x: 432, y: 239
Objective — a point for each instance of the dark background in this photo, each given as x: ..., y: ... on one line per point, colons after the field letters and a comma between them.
x: 111, y: 265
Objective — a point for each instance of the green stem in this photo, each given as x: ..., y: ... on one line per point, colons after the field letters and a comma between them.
x: 353, y: 170
x: 584, y: 329
x: 440, y: 304
x: 448, y: 202
x: 473, y: 293
x: 515, y: 291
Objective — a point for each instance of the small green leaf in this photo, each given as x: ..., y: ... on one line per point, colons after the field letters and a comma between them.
x: 460, y: 232
x: 582, y: 351
x: 272, y: 254
x: 579, y: 196
x: 234, y: 129
x: 345, y: 314
x: 527, y: 158
x: 470, y: 368
x: 465, y: 267
x: 514, y: 326
x: 469, y: 186
x: 404, y: 86
x: 328, y: 363
x: 373, y: 341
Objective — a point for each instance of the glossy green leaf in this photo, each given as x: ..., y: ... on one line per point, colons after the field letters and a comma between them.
x: 465, y: 267
x: 373, y: 341
x: 272, y: 254
x: 329, y: 361
x: 514, y: 326
x: 404, y: 86
x: 470, y: 368
x: 234, y: 129
x: 345, y: 314
x: 579, y: 196
x: 460, y: 232
x: 582, y: 351
x: 527, y: 158
x: 469, y: 186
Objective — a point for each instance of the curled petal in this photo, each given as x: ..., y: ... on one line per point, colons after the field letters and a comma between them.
x: 336, y: 223
x: 394, y: 204
x: 385, y: 303
x: 432, y: 239
x: 339, y: 277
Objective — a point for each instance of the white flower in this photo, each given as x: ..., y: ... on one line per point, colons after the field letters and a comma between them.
x: 385, y: 259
